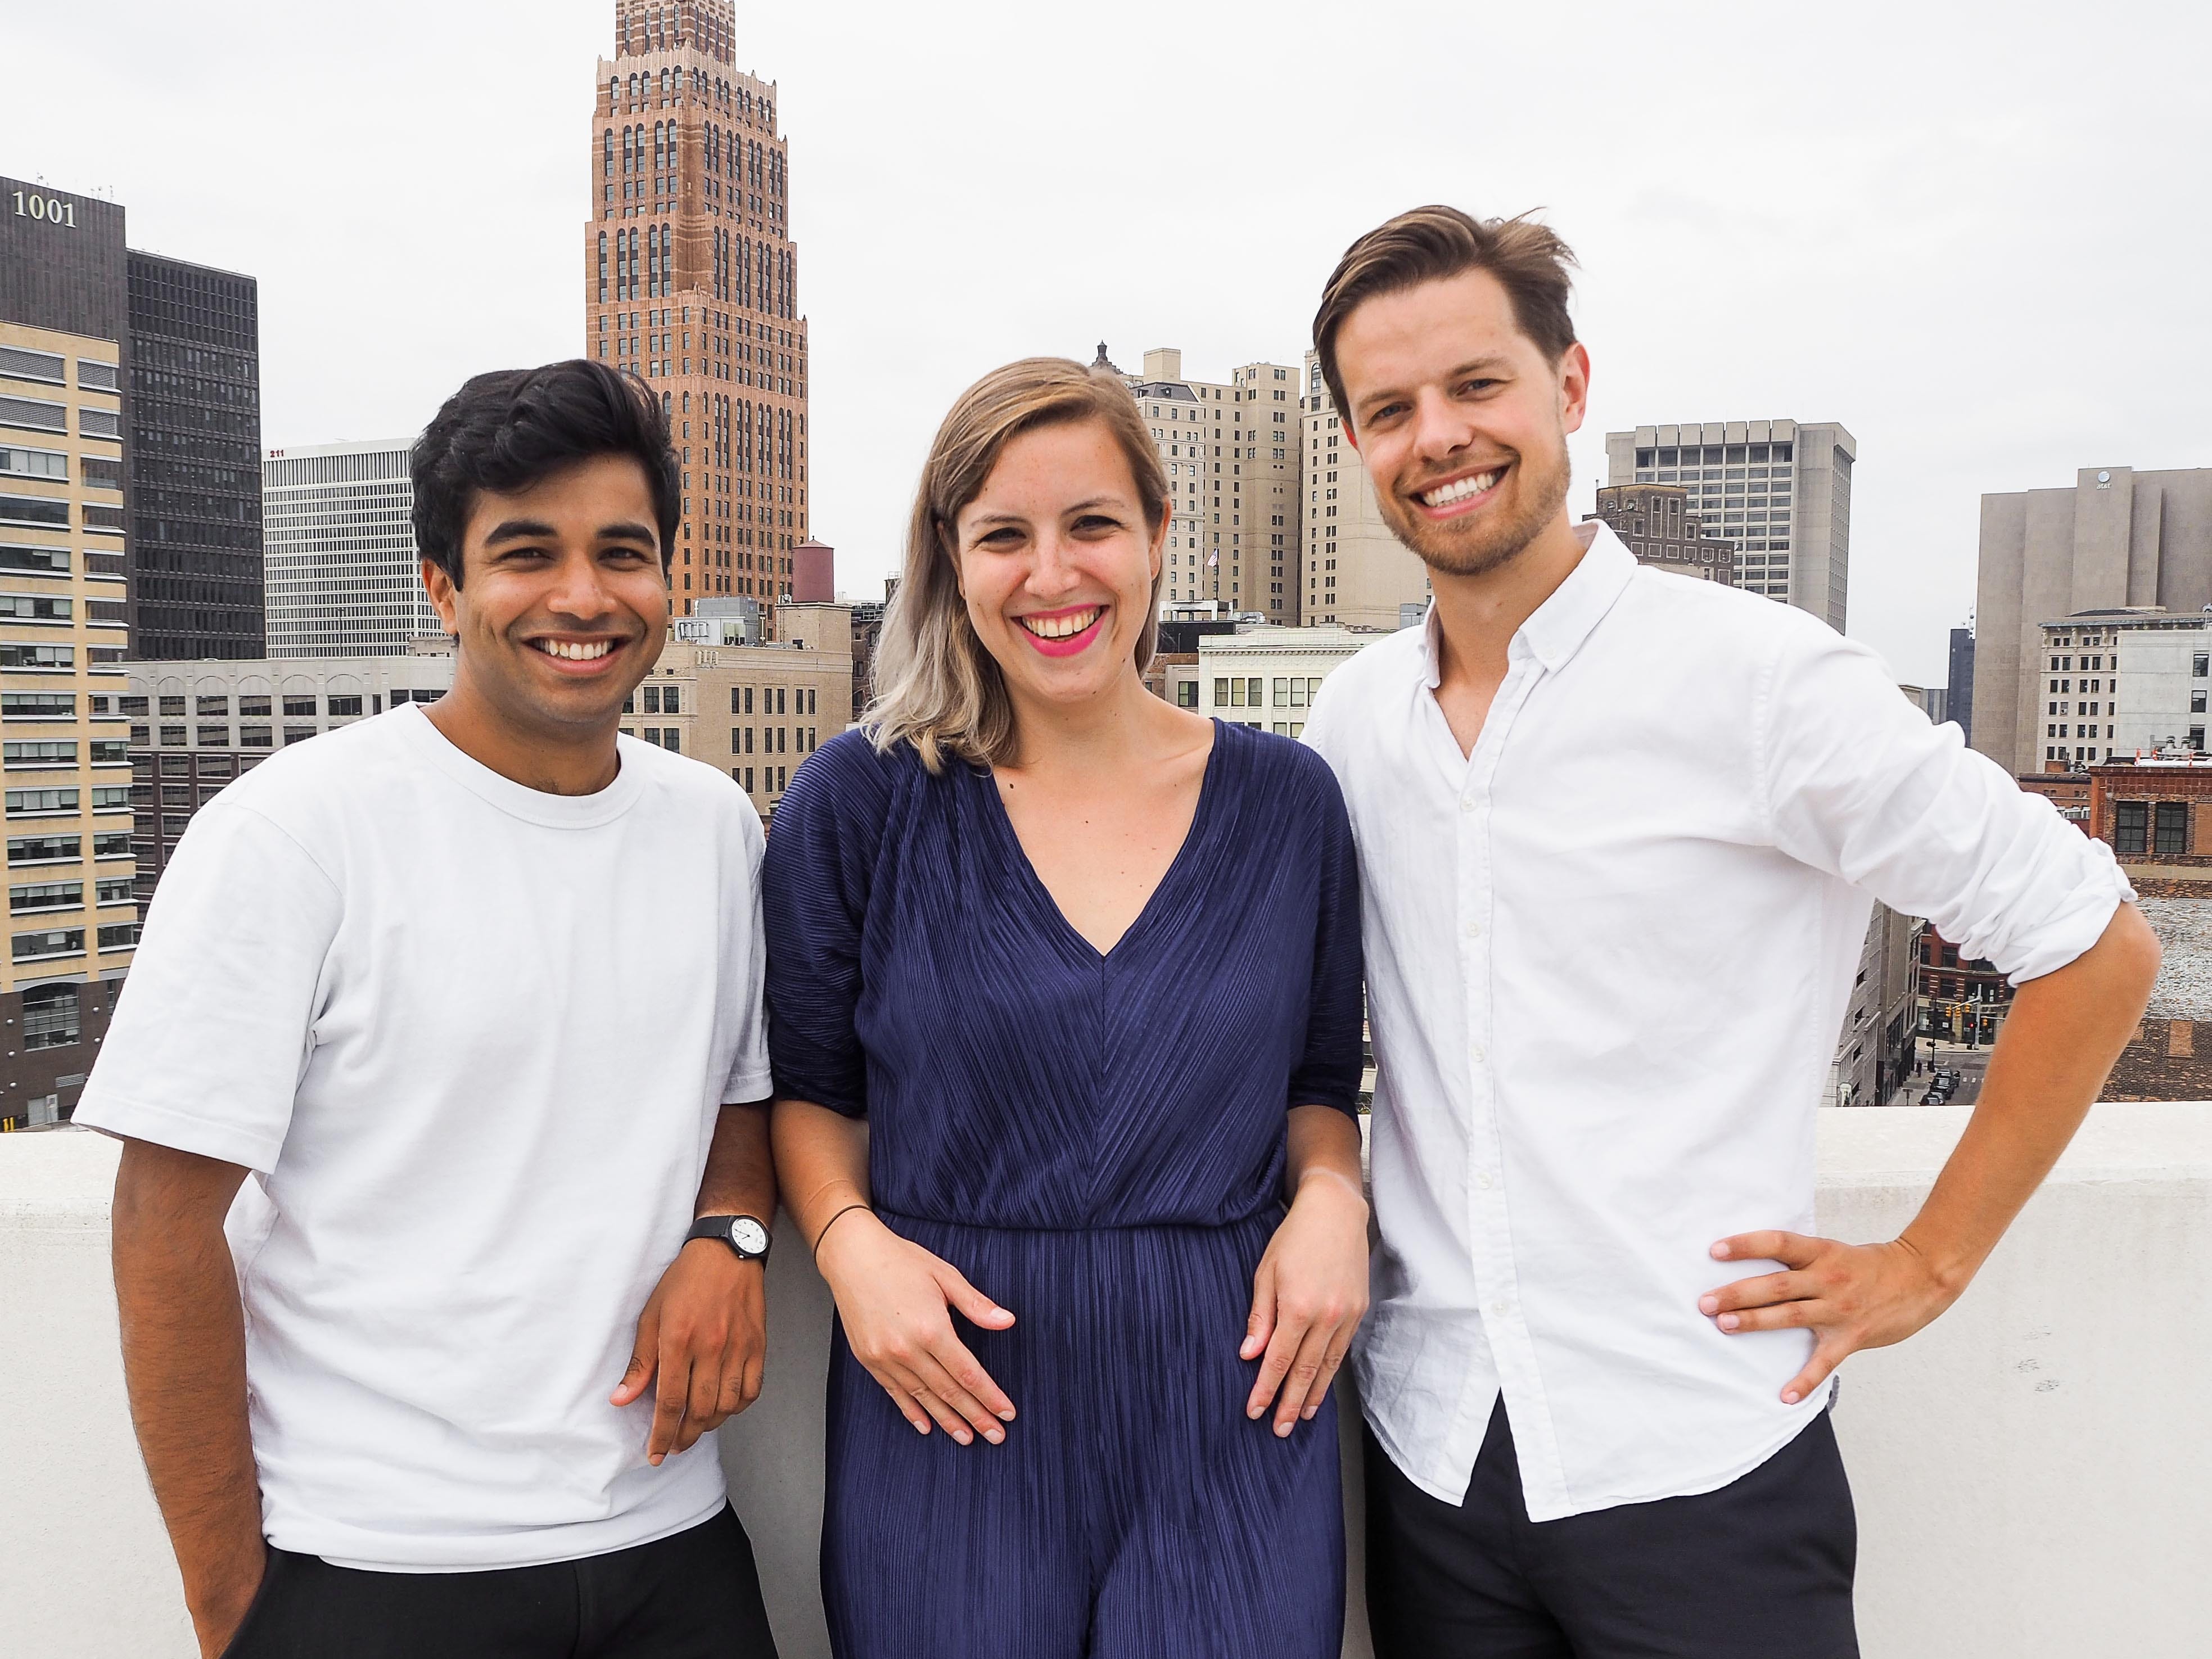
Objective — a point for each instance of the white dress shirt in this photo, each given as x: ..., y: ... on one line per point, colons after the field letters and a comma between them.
x: 1608, y: 953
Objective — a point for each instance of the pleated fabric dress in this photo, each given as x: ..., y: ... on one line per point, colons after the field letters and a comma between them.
x: 1097, y: 1142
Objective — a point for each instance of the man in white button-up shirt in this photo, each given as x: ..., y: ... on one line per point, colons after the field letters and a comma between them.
x: 1619, y: 834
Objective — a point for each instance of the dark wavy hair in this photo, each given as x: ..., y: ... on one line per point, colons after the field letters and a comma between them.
x: 506, y: 430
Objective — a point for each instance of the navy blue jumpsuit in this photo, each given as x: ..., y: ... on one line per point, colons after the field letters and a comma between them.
x: 1098, y: 1143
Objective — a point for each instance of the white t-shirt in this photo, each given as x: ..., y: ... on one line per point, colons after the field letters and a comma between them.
x: 472, y: 1039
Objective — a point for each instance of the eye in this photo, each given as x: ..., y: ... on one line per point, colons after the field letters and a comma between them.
x: 1476, y: 386
x: 1097, y: 523
x: 999, y: 540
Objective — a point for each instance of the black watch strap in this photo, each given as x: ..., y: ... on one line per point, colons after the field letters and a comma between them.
x: 747, y: 1236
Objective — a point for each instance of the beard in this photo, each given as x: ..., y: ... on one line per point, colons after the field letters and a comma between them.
x: 1492, y: 540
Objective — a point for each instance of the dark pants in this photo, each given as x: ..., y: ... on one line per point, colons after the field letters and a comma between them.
x: 1758, y: 1569
x: 695, y: 1596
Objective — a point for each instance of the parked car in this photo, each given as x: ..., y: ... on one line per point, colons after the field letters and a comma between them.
x: 1933, y: 1098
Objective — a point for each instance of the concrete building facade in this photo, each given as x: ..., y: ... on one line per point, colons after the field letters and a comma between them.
x: 1230, y: 451
x: 1781, y: 491
x: 1358, y: 574
x: 692, y: 283
x: 2114, y: 540
x: 2114, y: 684
x: 343, y: 575
x: 1265, y: 678
x: 1660, y: 528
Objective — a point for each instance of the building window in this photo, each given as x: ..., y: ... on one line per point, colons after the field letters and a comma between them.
x: 1186, y: 694
x: 2130, y: 821
x: 50, y: 1017
x: 2173, y: 829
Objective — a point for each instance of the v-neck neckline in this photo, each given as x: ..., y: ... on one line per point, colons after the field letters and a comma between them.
x: 1041, y: 895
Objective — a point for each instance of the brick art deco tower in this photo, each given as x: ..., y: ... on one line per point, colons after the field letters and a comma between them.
x: 692, y: 283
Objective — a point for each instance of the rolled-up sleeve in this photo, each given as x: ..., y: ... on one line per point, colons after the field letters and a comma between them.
x: 1859, y: 784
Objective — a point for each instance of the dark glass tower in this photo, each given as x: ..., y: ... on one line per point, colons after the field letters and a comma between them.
x: 1962, y: 697
x: 195, y: 461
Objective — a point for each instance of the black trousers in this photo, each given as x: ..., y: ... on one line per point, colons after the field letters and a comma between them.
x: 1760, y: 1569
x: 695, y: 1596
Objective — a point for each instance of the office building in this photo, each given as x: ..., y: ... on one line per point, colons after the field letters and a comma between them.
x: 195, y: 459
x: 64, y: 560
x: 195, y: 726
x: 1358, y: 574
x: 754, y: 711
x: 344, y: 577
x: 692, y: 283
x: 1780, y: 490
x: 2115, y: 540
x: 1873, y: 1051
x: 2114, y: 684
x: 1230, y: 451
x: 1960, y: 703
x: 1265, y: 678
x: 1657, y: 525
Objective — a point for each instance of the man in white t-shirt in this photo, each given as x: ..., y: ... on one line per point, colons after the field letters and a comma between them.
x: 473, y: 995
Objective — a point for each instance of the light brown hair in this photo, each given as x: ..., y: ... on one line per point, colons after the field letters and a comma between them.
x: 936, y: 686
x: 1429, y: 244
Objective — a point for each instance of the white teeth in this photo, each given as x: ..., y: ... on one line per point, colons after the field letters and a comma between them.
x: 1060, y: 627
x: 1461, y: 489
x: 575, y: 651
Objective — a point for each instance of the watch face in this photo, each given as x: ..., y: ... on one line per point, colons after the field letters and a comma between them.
x: 749, y: 1236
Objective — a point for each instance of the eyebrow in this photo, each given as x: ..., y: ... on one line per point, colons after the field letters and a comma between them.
x: 1492, y: 360
x: 537, y: 530
x: 1017, y: 518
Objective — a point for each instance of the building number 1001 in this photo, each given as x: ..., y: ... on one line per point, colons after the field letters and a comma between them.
x: 45, y: 207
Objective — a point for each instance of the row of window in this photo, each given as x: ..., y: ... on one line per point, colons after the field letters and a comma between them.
x: 70, y: 942
x: 47, y: 512
x: 36, y: 415
x: 1293, y: 691
x: 66, y: 849
x: 2159, y: 828
x: 1713, y: 454
x: 21, y: 363
x: 42, y: 803
x: 66, y: 895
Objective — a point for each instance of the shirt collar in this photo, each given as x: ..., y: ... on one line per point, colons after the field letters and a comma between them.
x: 1557, y: 629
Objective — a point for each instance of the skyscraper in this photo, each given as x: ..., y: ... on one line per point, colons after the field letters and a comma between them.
x: 65, y: 546
x: 1357, y: 573
x: 692, y: 283
x: 345, y: 578
x: 1230, y: 451
x: 1781, y: 491
x: 1960, y: 704
x: 195, y: 460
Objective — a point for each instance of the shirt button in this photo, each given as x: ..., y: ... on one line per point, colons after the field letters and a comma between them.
x: 1474, y: 1053
x: 1467, y: 804
x: 1475, y: 930
x: 1497, y: 1311
x: 1482, y: 1180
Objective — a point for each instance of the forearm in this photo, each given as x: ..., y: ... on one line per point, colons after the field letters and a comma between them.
x: 1324, y: 1147
x: 821, y: 1157
x: 184, y: 1364
x: 2058, y: 1045
x: 740, y: 1173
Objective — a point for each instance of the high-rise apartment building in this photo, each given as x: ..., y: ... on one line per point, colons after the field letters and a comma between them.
x: 1781, y: 491
x: 2116, y: 540
x: 692, y: 283
x: 345, y: 578
x: 64, y: 542
x: 1230, y: 449
x: 1959, y: 705
x: 195, y: 460
x: 1358, y: 574
x: 1659, y: 527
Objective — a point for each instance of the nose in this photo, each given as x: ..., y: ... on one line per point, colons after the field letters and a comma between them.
x: 1440, y: 429
x: 578, y: 589
x: 1052, y: 572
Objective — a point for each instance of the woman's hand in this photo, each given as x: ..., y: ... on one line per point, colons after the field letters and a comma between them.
x: 894, y: 1297
x: 1307, y: 1296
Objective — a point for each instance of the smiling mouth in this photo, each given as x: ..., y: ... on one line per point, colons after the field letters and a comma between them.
x: 1460, y: 490
x: 1065, y: 625
x: 574, y: 650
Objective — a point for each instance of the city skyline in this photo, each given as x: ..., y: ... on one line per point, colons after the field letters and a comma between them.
x: 950, y: 194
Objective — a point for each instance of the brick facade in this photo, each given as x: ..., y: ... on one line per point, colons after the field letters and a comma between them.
x: 2153, y: 811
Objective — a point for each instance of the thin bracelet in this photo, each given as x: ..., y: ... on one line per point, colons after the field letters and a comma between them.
x: 816, y: 1248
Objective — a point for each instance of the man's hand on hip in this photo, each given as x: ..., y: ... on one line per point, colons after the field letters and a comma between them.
x: 703, y: 1335
x: 1849, y: 1296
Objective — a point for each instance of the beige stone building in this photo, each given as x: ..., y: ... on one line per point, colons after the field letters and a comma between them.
x: 72, y: 916
x: 1358, y: 574
x: 1230, y: 450
x: 692, y: 283
x: 754, y: 711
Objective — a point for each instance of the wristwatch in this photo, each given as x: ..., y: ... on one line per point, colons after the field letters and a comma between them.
x: 746, y: 1235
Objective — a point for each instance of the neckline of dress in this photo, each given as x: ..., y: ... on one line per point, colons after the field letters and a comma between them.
x: 1041, y: 895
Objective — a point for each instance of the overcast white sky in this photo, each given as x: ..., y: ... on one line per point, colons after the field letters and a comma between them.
x: 1976, y: 234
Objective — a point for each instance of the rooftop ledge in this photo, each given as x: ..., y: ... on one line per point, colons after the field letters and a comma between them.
x: 2031, y: 1472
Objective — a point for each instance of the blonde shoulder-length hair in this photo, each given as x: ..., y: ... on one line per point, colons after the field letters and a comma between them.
x: 936, y: 687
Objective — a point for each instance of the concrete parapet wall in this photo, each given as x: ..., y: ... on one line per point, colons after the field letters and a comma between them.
x: 2030, y: 1472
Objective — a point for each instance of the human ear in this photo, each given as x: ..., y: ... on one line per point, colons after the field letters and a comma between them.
x: 443, y: 599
